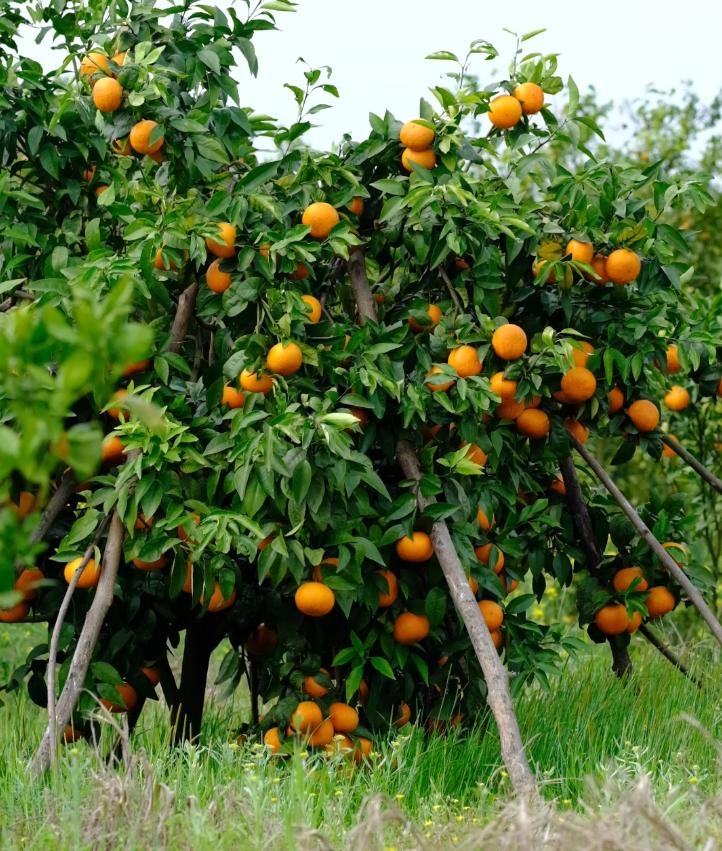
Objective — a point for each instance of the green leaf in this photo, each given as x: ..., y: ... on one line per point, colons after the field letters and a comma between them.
x: 383, y: 667
x: 435, y: 606
x: 210, y: 59
x: 443, y: 54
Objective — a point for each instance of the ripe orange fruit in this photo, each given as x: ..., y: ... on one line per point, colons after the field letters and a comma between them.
x: 404, y: 714
x: 265, y: 250
x: 461, y: 264
x: 416, y: 136
x: 15, y: 614
x: 623, y: 579
x: 635, y: 621
x: 465, y: 361
x: 558, y: 486
x: 483, y: 520
x: 219, y: 603
x: 509, y: 342
x: 673, y: 366
x: 314, y: 599
x: 107, y: 94
x: 160, y: 262
x: 139, y: 137
x: 363, y: 692
x: 623, y: 266
x: 314, y: 308
x: 262, y: 641
x: 158, y: 564
x: 188, y: 582
x: 216, y: 279
x: 321, y: 218
x: 497, y: 638
x: 417, y: 548
x: 672, y: 545
x: 89, y: 174
x: 510, y: 409
x: 492, y: 613
x: 93, y: 63
x: 599, y: 264
x: 616, y: 400
x: 644, y: 415
x: 437, y: 386
x: 483, y: 553
x: 231, y: 397
x: 508, y: 586
x: 677, y: 399
x: 537, y: 268
x: 362, y: 749
x: 667, y: 451
x: 100, y: 189
x: 356, y: 207
x: 112, y: 450
x: 132, y: 368
x: 225, y: 245
x: 256, y: 382
x: 153, y: 674
x: 313, y: 688
x: 435, y: 314
x: 322, y: 736
x: 581, y: 252
x: 503, y: 387
x: 27, y: 583
x: 581, y: 355
x: 388, y: 598
x: 301, y: 272
x: 26, y: 504
x: 660, y: 601
x: 70, y: 734
x: 531, y: 98
x: 117, y: 396
x: 119, y: 58
x: 612, y: 619
x: 475, y: 453
x: 410, y: 628
x: 473, y: 585
x: 272, y: 740
x: 284, y: 358
x: 504, y: 111
x: 426, y: 159
x: 533, y: 423
x: 581, y: 432
x: 578, y: 384
x: 306, y: 717
x: 128, y: 696
x: 121, y: 147
x: 343, y: 717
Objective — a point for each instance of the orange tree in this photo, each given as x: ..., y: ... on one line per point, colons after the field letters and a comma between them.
x: 170, y: 284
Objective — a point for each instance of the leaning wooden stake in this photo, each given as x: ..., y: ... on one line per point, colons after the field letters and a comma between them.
x: 667, y: 653
x: 56, y: 504
x: 86, y: 645
x: 691, y: 461
x: 669, y: 564
x: 495, y: 674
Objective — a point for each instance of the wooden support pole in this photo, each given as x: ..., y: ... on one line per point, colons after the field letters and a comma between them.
x: 669, y: 564
x: 692, y: 462
x: 495, y: 674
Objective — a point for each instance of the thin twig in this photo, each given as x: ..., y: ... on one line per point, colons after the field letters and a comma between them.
x: 645, y: 532
x: 452, y: 291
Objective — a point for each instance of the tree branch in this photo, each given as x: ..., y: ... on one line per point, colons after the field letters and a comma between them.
x: 360, y: 286
x: 56, y: 504
x: 86, y: 644
x: 692, y: 462
x: 186, y: 306
x: 645, y: 532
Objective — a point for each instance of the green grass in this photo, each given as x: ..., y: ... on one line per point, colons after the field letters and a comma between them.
x: 592, y: 739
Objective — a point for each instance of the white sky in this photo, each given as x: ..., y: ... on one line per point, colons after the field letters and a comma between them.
x: 376, y: 49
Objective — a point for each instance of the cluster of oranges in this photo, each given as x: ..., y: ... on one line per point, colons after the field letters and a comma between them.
x: 505, y: 111
x: 620, y: 267
x: 614, y: 618
x: 332, y: 733
x: 417, y: 138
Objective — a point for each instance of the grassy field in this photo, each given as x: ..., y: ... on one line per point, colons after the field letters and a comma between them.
x: 601, y: 748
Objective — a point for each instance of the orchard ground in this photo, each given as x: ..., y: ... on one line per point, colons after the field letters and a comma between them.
x: 617, y: 764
